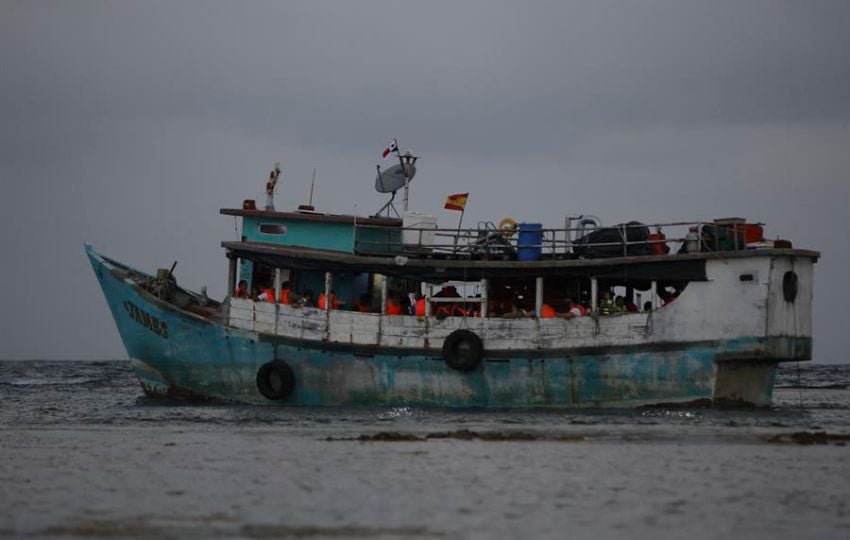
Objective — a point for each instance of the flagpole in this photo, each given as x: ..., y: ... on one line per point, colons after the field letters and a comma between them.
x: 462, y: 211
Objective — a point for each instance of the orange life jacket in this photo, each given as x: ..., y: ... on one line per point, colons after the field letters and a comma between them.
x: 241, y: 292
x: 321, y: 303
x: 393, y: 308
x: 284, y: 296
x: 547, y: 312
x: 458, y: 311
x: 420, y: 307
x: 269, y: 295
x: 658, y: 246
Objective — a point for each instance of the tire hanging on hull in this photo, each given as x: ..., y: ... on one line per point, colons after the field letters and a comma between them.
x: 275, y: 380
x: 463, y: 350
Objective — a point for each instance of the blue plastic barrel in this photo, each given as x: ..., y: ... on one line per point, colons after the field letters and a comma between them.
x: 529, y: 242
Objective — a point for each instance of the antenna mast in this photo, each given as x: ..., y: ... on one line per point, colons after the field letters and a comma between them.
x: 312, y: 184
x: 270, y: 185
x: 396, y: 177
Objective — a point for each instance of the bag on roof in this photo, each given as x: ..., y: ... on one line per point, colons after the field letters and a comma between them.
x: 635, y: 231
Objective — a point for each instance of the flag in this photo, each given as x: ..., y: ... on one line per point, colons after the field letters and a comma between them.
x: 456, y: 201
x: 388, y: 150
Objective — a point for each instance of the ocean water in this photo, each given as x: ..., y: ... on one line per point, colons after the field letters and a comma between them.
x: 83, y: 454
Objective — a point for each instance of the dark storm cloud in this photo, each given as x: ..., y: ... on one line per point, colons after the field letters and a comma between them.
x: 129, y: 123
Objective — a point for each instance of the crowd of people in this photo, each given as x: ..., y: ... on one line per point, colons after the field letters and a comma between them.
x: 446, y: 303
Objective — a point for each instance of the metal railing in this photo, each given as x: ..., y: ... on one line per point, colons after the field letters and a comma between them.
x: 488, y: 242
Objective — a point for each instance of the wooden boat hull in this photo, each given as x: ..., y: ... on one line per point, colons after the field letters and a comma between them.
x: 179, y: 354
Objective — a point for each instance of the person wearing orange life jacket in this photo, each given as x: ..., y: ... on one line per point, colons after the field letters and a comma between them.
x: 442, y: 312
x: 447, y: 309
x: 420, y: 305
x: 362, y: 305
x: 657, y: 243
x: 320, y: 303
x: 284, y: 293
x: 459, y: 311
x: 267, y: 295
x: 393, y: 305
x: 242, y: 290
x: 573, y: 310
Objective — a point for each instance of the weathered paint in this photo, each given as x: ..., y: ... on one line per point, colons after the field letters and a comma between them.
x: 721, y: 309
x: 369, y: 359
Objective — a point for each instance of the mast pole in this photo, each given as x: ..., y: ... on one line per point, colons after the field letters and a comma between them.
x: 459, y: 222
x: 312, y: 184
x: 404, y: 172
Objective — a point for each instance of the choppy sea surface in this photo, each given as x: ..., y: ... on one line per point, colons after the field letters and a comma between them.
x: 84, y: 454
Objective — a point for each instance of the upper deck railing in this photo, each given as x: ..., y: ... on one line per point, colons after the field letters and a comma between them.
x: 487, y: 241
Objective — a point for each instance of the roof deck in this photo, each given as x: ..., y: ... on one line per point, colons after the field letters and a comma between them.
x: 309, y: 240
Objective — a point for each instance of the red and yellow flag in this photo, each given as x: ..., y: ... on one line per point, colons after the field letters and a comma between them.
x: 456, y: 201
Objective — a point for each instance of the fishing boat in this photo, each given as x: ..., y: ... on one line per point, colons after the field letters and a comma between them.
x: 392, y: 310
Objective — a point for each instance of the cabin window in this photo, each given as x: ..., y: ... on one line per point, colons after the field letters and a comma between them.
x: 789, y: 286
x: 272, y: 228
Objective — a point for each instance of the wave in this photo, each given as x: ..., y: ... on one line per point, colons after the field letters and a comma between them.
x: 826, y: 386
x: 51, y: 381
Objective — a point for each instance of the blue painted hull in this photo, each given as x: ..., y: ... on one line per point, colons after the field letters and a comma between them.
x: 176, y: 353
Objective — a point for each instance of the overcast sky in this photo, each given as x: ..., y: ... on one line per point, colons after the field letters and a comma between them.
x: 129, y: 124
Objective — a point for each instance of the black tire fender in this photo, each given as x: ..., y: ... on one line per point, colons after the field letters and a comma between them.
x: 463, y: 350
x: 275, y: 380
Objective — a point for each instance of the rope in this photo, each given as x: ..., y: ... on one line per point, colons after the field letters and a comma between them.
x: 463, y: 322
x: 799, y: 385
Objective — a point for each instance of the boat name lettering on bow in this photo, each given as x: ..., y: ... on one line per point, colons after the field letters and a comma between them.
x: 147, y: 320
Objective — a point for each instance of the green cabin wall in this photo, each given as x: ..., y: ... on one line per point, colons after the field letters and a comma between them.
x: 312, y: 234
x: 322, y: 235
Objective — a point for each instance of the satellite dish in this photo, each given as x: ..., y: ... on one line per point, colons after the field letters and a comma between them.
x: 392, y: 179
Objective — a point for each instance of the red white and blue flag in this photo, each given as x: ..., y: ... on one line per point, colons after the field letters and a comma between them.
x: 390, y: 149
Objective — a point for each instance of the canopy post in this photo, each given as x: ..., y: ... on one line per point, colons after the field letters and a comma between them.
x: 594, y: 295
x: 231, y: 273
x: 485, y: 284
x: 384, y: 296
x: 328, y: 286
x: 653, y: 295
x: 277, y: 283
x: 538, y: 296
